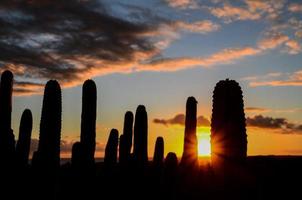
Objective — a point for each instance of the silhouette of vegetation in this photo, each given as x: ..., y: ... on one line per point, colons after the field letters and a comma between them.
x: 7, y: 139
x: 158, y: 157
x: 88, y: 121
x: 23, y: 143
x: 110, y: 158
x: 228, y: 132
x: 126, y: 139
x: 254, y: 177
x: 190, y: 154
x: 48, y: 154
x: 140, y: 151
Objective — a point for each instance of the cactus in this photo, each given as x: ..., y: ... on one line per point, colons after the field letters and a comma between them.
x: 140, y: 151
x: 228, y: 132
x: 189, y: 156
x: 76, y: 155
x: 23, y: 144
x: 126, y: 139
x: 158, y: 157
x: 122, y: 150
x: 7, y: 140
x: 48, y: 154
x: 88, y: 121
x: 111, y: 148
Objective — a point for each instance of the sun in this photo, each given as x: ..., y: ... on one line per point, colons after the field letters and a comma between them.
x: 204, y: 143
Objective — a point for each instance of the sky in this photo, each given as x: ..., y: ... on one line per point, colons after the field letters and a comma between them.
x: 158, y: 53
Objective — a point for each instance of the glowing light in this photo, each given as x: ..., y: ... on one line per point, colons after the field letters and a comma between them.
x: 204, y: 142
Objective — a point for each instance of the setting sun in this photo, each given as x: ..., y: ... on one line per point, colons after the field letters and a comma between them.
x: 204, y: 142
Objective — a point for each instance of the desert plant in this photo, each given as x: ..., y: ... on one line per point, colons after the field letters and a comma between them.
x: 189, y: 156
x: 228, y: 132
x: 7, y: 140
x: 140, y: 151
x: 48, y: 154
x: 111, y: 148
x: 23, y: 144
x: 88, y: 121
x: 158, y: 157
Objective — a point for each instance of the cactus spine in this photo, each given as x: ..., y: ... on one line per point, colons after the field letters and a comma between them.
x: 23, y: 144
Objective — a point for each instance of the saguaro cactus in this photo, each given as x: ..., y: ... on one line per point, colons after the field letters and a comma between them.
x: 88, y: 121
x: 228, y: 132
x: 141, y: 136
x: 77, y: 155
x: 189, y: 156
x: 126, y: 138
x: 111, y: 148
x: 158, y: 157
x: 48, y: 154
x: 23, y: 144
x: 7, y: 140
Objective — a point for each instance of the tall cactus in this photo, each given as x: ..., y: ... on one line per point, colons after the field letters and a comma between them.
x: 122, y: 150
x: 48, y: 154
x: 141, y: 136
x: 158, y: 157
x: 111, y: 148
x: 189, y: 156
x: 7, y: 140
x: 88, y: 121
x: 23, y: 144
x: 126, y: 138
x: 228, y: 132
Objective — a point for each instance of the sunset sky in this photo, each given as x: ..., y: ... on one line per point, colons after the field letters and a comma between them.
x: 158, y: 53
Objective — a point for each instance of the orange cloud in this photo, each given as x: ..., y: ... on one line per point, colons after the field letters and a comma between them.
x: 182, y: 4
x: 272, y: 41
x: 222, y: 57
x: 256, y: 109
x: 294, y: 47
x: 204, y: 26
x: 294, y: 79
x: 295, y: 7
x: 250, y: 10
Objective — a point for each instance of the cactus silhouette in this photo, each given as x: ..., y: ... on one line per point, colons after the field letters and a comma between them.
x: 171, y: 162
x: 77, y: 154
x: 23, y: 144
x: 48, y: 154
x: 126, y: 138
x: 111, y: 148
x: 158, y: 157
x: 7, y: 140
x: 140, y: 151
x: 88, y: 121
x: 228, y: 132
x: 122, y: 150
x: 189, y: 156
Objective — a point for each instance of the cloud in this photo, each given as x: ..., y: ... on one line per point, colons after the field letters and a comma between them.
x: 256, y: 109
x: 224, y: 56
x: 204, y: 26
x: 65, y: 147
x: 288, y: 79
x: 281, y: 124
x: 179, y: 119
x: 295, y: 7
x: 182, y: 4
x: 294, y: 47
x: 272, y: 41
x: 248, y: 10
x: 70, y: 41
